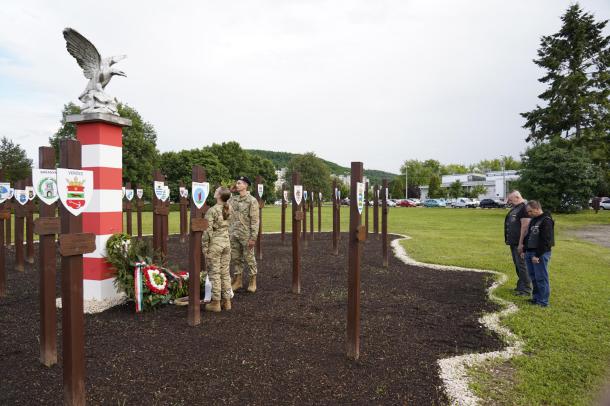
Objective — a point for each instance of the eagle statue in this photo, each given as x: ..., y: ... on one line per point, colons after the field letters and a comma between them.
x: 98, y: 70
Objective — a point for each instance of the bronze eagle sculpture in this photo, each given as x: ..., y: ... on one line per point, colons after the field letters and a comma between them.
x: 98, y: 70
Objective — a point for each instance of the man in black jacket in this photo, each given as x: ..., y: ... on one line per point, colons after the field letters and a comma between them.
x: 538, y: 241
x: 515, y: 227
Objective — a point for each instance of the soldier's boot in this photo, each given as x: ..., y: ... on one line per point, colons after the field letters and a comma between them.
x: 237, y: 282
x: 252, y: 284
x: 213, y: 306
x: 226, y: 304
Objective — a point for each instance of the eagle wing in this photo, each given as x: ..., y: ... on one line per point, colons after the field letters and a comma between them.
x: 83, y: 51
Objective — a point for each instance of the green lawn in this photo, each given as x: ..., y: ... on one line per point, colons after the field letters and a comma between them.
x: 567, y: 345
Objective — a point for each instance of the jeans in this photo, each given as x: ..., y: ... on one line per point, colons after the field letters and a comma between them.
x: 524, y: 284
x: 539, y: 273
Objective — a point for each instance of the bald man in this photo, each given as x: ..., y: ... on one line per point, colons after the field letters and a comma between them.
x: 515, y: 228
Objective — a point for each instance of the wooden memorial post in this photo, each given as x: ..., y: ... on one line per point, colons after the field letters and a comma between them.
x: 73, y: 243
x: 339, y: 216
x: 357, y: 235
x: 366, y: 206
x: 334, y: 202
x: 128, y: 208
x: 283, y: 217
x: 19, y: 223
x: 319, y: 212
x: 5, y: 214
x: 47, y: 226
x: 8, y: 205
x: 196, y: 263
x: 183, y: 217
x: 29, y: 222
x: 259, y: 197
x: 304, y: 221
x: 160, y: 213
x: 376, y: 211
x: 297, y: 216
x: 139, y: 204
x: 384, y: 222
x: 311, y: 205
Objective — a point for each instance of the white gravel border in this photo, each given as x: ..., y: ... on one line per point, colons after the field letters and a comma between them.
x: 453, y: 370
x: 97, y: 306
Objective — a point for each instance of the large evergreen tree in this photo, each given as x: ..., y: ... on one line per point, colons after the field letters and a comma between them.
x: 14, y: 162
x: 315, y: 175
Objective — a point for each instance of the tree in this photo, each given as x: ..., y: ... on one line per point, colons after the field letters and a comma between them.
x: 419, y: 172
x: 139, y: 144
x: 263, y: 167
x: 577, y: 105
x: 561, y: 178
x: 315, y: 174
x: 232, y: 156
x: 397, y: 188
x: 455, y: 189
x: 476, y: 191
x: 488, y: 165
x: 434, y: 187
x: 14, y: 162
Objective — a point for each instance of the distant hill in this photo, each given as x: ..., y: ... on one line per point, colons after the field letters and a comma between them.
x: 281, y: 159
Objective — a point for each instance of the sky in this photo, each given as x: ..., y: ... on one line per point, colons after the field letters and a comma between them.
x: 373, y: 81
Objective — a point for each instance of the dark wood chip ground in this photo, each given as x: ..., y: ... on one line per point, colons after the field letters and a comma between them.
x: 274, y: 347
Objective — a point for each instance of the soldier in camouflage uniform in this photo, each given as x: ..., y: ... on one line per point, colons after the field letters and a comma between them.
x: 244, y: 231
x: 217, y: 249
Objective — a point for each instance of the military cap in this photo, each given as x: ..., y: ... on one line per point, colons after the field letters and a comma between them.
x: 244, y: 179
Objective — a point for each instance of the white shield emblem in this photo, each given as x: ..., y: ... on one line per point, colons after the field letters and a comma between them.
x: 129, y: 194
x: 123, y: 192
x: 305, y: 195
x: 30, y: 192
x: 21, y: 196
x: 298, y: 194
x: 5, y: 191
x: 75, y: 189
x: 200, y: 193
x: 320, y: 196
x: 338, y: 194
x: 139, y: 193
x: 159, y: 189
x: 186, y: 193
x: 260, y: 190
x: 165, y: 193
x: 286, y: 196
x: 377, y: 193
x: 182, y: 191
x: 45, y: 183
x: 386, y: 193
x: 360, y: 196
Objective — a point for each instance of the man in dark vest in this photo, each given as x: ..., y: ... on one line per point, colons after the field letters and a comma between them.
x: 538, y: 241
x: 515, y: 227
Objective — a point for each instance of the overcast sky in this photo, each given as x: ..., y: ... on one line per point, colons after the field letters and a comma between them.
x: 373, y: 81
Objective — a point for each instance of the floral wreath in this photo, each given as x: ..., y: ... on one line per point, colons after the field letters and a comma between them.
x: 155, y: 280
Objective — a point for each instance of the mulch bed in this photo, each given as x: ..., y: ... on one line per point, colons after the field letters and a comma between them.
x: 274, y: 347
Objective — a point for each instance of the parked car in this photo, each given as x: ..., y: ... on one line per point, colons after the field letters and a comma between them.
x: 434, y: 203
x: 277, y: 203
x: 461, y: 202
x: 492, y: 204
x: 391, y: 203
x: 605, y: 204
x: 417, y: 202
x: 345, y: 201
x: 407, y: 203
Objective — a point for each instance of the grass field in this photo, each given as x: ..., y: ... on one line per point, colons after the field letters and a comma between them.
x: 567, y: 352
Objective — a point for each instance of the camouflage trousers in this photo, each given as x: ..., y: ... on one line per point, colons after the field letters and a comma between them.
x: 241, y: 255
x: 218, y: 258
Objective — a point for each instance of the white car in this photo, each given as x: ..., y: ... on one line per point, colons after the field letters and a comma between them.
x: 391, y: 203
x: 605, y: 204
x: 462, y: 202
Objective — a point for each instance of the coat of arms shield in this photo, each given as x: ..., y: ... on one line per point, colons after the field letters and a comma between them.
x: 5, y: 191
x: 21, y: 196
x: 200, y: 193
x: 140, y: 193
x: 260, y: 190
x: 360, y: 196
x: 129, y: 194
x: 75, y: 188
x: 286, y: 196
x: 298, y: 194
x: 159, y: 189
x: 30, y: 192
x: 45, y: 183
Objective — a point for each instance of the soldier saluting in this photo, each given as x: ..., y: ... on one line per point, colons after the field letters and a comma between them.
x: 244, y: 231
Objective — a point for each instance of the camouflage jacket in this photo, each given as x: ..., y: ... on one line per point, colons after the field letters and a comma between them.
x: 218, y: 228
x: 244, y: 219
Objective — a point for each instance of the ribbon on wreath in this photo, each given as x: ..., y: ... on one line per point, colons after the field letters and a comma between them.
x: 137, y: 289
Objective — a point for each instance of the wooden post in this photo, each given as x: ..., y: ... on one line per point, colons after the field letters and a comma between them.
x: 304, y: 209
x: 356, y: 237
x: 29, y: 226
x: 4, y: 216
x: 366, y: 206
x: 159, y: 212
x: 183, y: 216
x: 47, y: 226
x: 198, y: 225
x: 338, y: 220
x: 376, y: 211
x: 261, y: 203
x: 128, y: 211
x: 19, y: 223
x: 283, y: 218
x: 297, y: 216
x: 319, y: 212
x: 311, y: 206
x: 73, y: 333
x: 384, y: 222
x: 334, y: 202
x: 8, y: 205
x: 139, y: 204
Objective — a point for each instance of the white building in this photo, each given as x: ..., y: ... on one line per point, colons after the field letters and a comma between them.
x: 495, y: 182
x: 346, y: 179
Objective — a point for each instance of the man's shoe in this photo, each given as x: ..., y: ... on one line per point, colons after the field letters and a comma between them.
x: 252, y: 284
x: 520, y: 293
x: 237, y: 282
x: 226, y: 304
x: 213, y: 306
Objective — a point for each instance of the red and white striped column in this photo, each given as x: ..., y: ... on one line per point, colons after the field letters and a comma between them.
x: 101, y: 138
